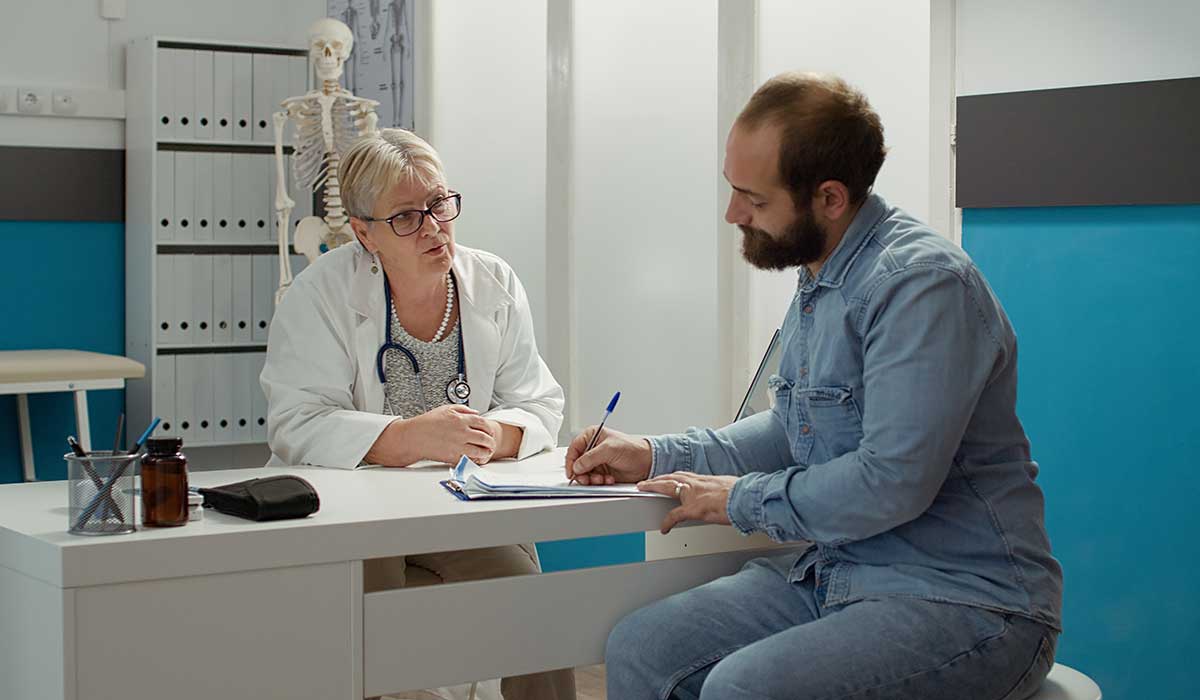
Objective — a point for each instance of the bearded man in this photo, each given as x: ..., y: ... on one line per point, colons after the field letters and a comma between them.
x: 893, y: 449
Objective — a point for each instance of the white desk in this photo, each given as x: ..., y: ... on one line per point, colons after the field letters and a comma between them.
x: 227, y: 608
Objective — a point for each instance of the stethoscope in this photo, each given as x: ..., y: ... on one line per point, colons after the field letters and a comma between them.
x: 458, y: 391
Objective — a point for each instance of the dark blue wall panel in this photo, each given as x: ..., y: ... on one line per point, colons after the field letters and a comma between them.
x: 63, y: 287
x: 1104, y: 301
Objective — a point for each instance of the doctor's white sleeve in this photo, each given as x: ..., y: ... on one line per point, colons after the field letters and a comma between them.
x: 525, y: 394
x: 308, y: 379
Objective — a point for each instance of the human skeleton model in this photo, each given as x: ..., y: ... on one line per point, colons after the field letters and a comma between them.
x: 328, y: 121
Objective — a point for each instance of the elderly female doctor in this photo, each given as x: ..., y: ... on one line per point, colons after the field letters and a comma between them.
x: 409, y: 347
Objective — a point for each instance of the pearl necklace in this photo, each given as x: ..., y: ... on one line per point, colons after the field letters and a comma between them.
x: 449, y: 308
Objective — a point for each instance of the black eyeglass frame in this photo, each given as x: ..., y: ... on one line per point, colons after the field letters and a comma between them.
x: 428, y: 211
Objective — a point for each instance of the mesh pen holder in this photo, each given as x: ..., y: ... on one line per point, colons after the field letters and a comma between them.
x: 100, y: 493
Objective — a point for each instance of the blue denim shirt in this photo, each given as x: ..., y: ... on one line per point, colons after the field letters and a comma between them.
x: 894, y: 444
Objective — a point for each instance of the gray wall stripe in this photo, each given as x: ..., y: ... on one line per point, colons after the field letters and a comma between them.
x: 61, y: 184
x: 1126, y: 143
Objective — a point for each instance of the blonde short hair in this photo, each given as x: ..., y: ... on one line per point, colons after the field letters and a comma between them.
x: 379, y: 162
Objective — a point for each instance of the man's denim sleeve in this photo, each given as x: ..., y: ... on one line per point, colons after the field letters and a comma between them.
x: 756, y: 443
x: 928, y: 354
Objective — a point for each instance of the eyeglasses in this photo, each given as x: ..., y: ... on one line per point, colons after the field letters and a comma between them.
x: 406, y: 223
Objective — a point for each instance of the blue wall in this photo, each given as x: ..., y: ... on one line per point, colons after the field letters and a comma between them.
x: 1104, y: 301
x: 592, y: 551
x: 64, y: 287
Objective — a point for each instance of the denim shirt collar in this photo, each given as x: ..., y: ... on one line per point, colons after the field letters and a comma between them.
x: 833, y: 273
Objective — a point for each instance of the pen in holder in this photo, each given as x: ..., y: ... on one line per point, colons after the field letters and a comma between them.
x: 100, y: 493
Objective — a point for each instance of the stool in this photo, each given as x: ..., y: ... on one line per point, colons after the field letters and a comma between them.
x: 1065, y: 683
x: 24, y: 372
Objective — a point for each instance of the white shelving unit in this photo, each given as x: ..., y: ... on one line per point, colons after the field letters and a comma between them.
x: 201, y: 243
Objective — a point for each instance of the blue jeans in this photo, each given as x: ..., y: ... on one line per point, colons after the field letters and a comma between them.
x: 757, y: 634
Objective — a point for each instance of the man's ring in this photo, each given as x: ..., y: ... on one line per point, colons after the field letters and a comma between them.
x: 679, y: 488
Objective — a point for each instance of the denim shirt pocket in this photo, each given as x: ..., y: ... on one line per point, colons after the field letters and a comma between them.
x: 791, y: 410
x: 835, y: 417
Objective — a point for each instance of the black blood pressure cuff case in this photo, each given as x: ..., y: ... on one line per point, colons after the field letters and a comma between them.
x: 270, y: 498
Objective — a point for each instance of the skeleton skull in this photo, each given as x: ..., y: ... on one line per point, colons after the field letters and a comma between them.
x: 329, y: 45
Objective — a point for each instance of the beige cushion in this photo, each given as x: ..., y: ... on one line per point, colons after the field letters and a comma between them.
x: 18, y: 366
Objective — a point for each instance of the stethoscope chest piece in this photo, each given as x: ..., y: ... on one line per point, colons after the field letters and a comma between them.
x: 458, y: 391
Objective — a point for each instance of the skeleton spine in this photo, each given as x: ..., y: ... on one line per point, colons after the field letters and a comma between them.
x: 335, y: 216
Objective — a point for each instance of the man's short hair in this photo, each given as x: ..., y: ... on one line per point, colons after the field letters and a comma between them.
x: 828, y: 131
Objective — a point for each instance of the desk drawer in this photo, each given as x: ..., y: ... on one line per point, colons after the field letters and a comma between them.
x: 440, y: 635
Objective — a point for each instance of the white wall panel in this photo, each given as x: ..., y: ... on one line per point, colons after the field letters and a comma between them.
x: 487, y: 88
x: 1035, y: 45
x: 645, y: 250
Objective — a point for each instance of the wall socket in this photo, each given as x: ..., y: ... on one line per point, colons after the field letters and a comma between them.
x: 56, y: 101
x: 31, y: 100
x: 63, y: 102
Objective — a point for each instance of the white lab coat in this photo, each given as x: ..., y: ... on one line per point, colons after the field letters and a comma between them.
x: 325, y: 398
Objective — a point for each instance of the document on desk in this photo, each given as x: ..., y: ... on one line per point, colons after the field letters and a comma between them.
x: 540, y: 476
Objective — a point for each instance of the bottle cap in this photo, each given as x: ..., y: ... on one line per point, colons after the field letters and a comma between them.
x: 164, y: 446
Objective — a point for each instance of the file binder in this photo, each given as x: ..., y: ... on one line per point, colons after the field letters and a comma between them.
x: 164, y: 395
x: 202, y: 298
x: 185, y: 93
x: 243, y: 193
x: 222, y: 293
x: 243, y: 126
x: 263, y: 92
x: 204, y: 94
x: 264, y: 295
x: 223, y: 96
x: 185, y: 326
x: 242, y: 299
x: 245, y: 384
x: 223, y: 381
x: 164, y: 121
x: 223, y: 221
x: 185, y: 196
x: 204, y: 397
x: 164, y: 195
x: 204, y: 196
x: 164, y: 298
x: 185, y: 396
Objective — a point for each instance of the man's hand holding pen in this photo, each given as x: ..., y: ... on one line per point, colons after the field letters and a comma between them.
x: 616, y: 458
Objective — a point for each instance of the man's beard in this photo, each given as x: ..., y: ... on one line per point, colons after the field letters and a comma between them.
x: 801, y: 243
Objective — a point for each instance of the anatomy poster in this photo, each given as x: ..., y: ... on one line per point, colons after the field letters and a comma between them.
x: 381, y: 65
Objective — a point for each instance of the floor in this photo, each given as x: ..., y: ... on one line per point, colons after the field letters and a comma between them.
x: 589, y: 685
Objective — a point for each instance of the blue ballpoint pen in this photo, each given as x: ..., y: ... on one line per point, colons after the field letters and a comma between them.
x: 607, y: 412
x: 137, y: 446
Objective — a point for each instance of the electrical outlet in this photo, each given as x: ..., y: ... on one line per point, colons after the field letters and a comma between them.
x: 31, y: 100
x: 64, y: 103
x: 8, y: 99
